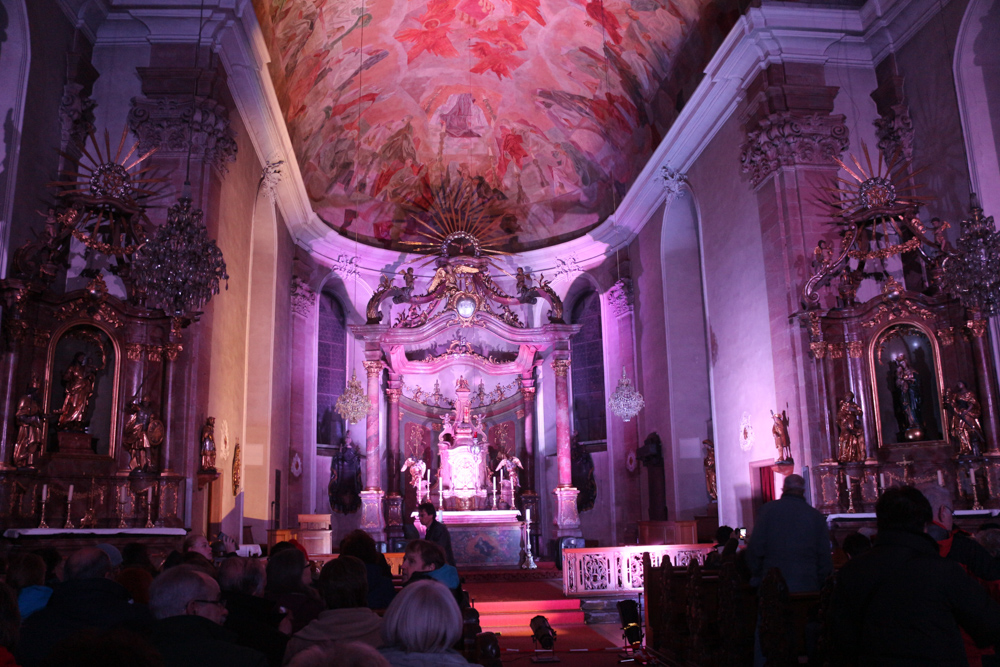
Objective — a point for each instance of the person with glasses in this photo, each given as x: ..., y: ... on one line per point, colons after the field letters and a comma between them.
x: 190, y: 611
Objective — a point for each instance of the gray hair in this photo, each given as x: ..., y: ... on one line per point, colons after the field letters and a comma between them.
x: 424, y: 617
x: 171, y: 592
x: 87, y: 563
x: 242, y: 575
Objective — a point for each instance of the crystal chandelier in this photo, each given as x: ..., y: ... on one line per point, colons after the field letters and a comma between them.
x: 626, y: 402
x: 179, y: 269
x: 353, y: 405
x: 972, y: 273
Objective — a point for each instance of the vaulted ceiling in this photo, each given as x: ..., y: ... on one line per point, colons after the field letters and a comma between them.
x: 551, y: 107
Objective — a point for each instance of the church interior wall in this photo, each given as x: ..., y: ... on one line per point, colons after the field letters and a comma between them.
x: 15, y: 61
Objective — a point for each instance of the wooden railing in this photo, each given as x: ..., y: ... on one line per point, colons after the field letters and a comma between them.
x: 618, y: 570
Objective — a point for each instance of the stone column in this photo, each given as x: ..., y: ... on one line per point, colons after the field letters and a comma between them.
x: 171, y: 351
x: 528, y: 401
x: 984, y: 382
x: 302, y: 429
x: 567, y: 517
x: 394, y: 501
x: 372, y: 521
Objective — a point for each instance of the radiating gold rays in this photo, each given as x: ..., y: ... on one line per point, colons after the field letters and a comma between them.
x: 886, y: 186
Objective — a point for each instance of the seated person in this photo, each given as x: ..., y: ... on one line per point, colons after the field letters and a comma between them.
x: 289, y: 583
x: 343, y: 584
x: 426, y: 560
x: 26, y: 575
x: 360, y: 544
x: 257, y: 622
x: 421, y: 625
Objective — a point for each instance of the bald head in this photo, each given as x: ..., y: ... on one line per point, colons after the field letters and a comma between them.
x: 87, y: 563
x: 795, y: 485
x: 173, y: 592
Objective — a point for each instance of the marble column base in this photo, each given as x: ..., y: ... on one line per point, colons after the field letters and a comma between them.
x: 372, y: 521
x: 567, y: 517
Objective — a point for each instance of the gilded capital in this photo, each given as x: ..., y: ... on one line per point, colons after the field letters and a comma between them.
x: 133, y: 351
x: 393, y: 393
x: 818, y: 349
x: 836, y: 350
x: 977, y: 327
x: 854, y: 349
x: 172, y: 350
x: 528, y: 393
x: 373, y: 368
x: 561, y: 367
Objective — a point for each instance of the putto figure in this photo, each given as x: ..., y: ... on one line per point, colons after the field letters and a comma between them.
x: 208, y: 445
x: 780, y: 433
x: 851, y: 443
x: 965, y: 427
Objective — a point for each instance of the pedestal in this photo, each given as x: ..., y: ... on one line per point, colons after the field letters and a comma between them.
x: 567, y: 518
x: 393, y: 517
x: 75, y: 443
x: 371, y: 514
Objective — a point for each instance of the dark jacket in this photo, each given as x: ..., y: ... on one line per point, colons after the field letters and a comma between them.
x: 193, y: 641
x: 438, y: 534
x: 901, y: 604
x: 254, y: 621
x: 959, y: 546
x: 381, y: 590
x: 792, y: 536
x: 99, y: 604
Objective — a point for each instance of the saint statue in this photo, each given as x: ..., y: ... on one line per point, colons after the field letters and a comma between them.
x: 207, y: 445
x: 79, y: 379
x: 908, y: 396
x: 965, y: 427
x: 29, y: 428
x: 851, y: 443
x: 144, y: 432
x: 344, y: 489
x: 711, y: 484
x: 780, y: 433
x: 583, y: 474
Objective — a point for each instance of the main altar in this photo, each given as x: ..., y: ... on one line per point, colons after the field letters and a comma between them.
x: 457, y: 363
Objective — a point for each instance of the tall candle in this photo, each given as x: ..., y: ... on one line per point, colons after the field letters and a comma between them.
x: 972, y: 476
x: 121, y: 494
x: 848, y: 481
x: 45, y: 492
x: 527, y: 515
x: 494, y: 485
x: 940, y: 478
x: 440, y: 487
x: 149, y: 496
x: 69, y: 496
x: 881, y: 479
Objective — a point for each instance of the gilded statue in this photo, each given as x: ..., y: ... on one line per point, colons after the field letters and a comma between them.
x: 780, y: 433
x: 29, y: 418
x: 79, y: 379
x: 965, y: 427
x: 510, y: 465
x: 711, y: 485
x: 144, y: 433
x: 851, y: 443
x: 207, y: 445
x: 908, y: 395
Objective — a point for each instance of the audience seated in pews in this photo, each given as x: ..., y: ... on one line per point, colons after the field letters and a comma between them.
x: 901, y: 603
x: 87, y: 599
x: 289, y: 583
x: 26, y: 575
x: 381, y: 590
x: 351, y: 654
x: 344, y: 586
x: 856, y: 544
x: 956, y: 544
x: 421, y: 625
x: 190, y: 611
x: 10, y: 625
x: 257, y: 622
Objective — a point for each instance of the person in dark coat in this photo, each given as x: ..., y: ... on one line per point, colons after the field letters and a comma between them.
x: 436, y: 531
x: 792, y: 536
x: 87, y: 599
x: 902, y: 603
x: 256, y: 621
x: 289, y: 583
x: 381, y: 590
x: 190, y: 611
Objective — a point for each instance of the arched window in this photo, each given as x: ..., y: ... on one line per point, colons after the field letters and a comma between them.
x: 588, y: 369
x: 331, y: 370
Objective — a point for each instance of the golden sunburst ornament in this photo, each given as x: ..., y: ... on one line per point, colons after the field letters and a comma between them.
x: 110, y: 193
x: 886, y: 187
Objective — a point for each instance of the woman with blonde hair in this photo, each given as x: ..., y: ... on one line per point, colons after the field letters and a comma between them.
x: 421, y: 625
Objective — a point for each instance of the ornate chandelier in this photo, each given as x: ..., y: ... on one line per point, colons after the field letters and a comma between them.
x: 353, y: 405
x: 971, y: 274
x: 179, y: 270
x: 626, y: 402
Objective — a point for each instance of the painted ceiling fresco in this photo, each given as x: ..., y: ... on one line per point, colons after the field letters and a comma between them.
x: 551, y: 107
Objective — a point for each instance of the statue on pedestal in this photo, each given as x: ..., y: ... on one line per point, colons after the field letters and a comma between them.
x: 780, y: 433
x: 965, y: 427
x: 208, y: 445
x: 143, y: 432
x: 417, y: 469
x: 344, y: 489
x: 851, y: 443
x: 29, y: 416
x: 79, y: 379
x: 510, y: 465
x: 907, y: 397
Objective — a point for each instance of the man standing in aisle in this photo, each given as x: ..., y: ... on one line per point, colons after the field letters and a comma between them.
x: 436, y: 531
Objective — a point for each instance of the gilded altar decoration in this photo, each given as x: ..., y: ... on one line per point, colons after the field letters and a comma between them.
x: 780, y: 432
x: 965, y: 428
x: 79, y: 380
x: 206, y: 446
x: 711, y: 484
x: 851, y: 441
x: 29, y: 416
x: 237, y: 468
x: 144, y: 434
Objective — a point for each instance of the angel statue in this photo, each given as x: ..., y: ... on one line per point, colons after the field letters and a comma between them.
x: 510, y: 465
x: 417, y: 469
x: 780, y: 433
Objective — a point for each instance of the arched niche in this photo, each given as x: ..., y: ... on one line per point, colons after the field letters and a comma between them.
x: 910, y: 394
x: 84, y: 361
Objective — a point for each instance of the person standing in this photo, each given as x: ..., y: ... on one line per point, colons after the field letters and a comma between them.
x: 436, y: 531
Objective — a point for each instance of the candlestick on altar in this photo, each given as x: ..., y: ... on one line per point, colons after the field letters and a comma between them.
x: 850, y: 495
x: 45, y: 500
x: 149, y: 507
x: 940, y: 476
x: 975, y: 491
x: 121, y: 506
x: 529, y: 561
x: 69, y: 509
